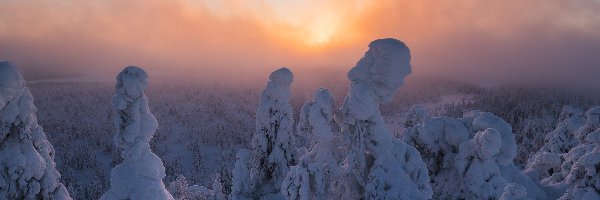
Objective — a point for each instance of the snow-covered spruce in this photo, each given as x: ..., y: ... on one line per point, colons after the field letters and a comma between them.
x: 140, y: 174
x: 317, y: 173
x: 379, y: 166
x: 273, y: 146
x: 26, y: 156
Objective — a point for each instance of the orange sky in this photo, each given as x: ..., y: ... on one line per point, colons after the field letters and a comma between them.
x: 465, y: 38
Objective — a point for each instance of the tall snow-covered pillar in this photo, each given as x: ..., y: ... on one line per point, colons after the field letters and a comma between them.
x: 141, y: 173
x: 26, y: 156
x: 378, y: 165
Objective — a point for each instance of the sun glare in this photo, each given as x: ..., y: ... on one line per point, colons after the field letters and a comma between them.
x: 321, y: 32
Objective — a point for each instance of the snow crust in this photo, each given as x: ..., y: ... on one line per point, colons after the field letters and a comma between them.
x: 140, y: 174
x: 26, y: 156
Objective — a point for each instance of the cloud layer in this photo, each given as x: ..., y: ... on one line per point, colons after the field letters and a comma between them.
x: 469, y: 39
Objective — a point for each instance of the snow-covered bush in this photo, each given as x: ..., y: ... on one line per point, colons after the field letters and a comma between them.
x: 379, y: 166
x: 140, y: 174
x: 26, y: 156
x: 317, y: 173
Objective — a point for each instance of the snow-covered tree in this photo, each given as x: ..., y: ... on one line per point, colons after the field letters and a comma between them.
x: 217, y: 189
x: 241, y: 187
x: 484, y: 142
x: 177, y: 188
x: 476, y: 164
x: 181, y: 190
x: 416, y: 115
x: 591, y: 125
x: 581, y: 167
x: 547, y: 161
x: 317, y: 173
x: 438, y: 140
x: 563, y: 139
x: 273, y: 145
x: 140, y: 174
x: 514, y: 191
x: 26, y: 156
x: 469, y: 157
x: 379, y: 166
x: 584, y: 178
x: 305, y: 125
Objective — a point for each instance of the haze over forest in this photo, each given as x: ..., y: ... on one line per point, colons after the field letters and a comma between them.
x: 487, y: 41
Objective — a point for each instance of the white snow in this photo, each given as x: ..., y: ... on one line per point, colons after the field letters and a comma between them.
x: 140, y: 174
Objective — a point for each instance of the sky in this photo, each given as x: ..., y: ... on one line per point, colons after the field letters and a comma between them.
x: 493, y: 40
